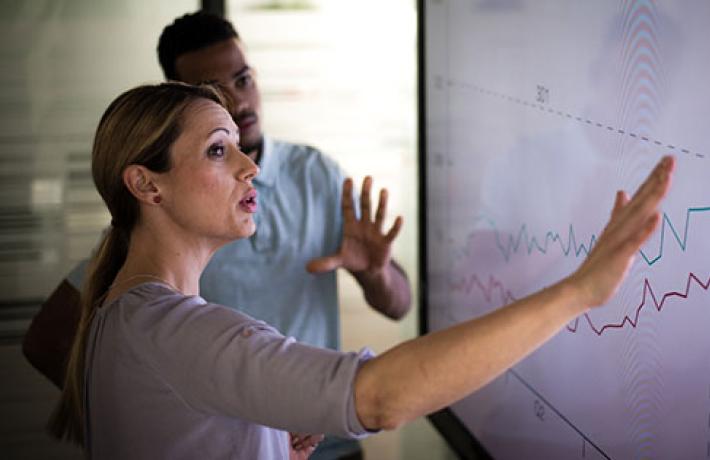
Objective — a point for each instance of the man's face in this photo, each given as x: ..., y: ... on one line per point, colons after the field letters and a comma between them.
x: 224, y: 63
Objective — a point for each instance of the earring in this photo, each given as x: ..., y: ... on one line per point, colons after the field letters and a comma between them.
x: 157, y: 199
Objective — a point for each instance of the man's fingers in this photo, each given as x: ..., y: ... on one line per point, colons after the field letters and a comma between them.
x: 394, y: 231
x: 347, y: 201
x: 305, y: 441
x: 311, y: 440
x: 365, y: 199
x: 324, y: 264
x: 381, y: 210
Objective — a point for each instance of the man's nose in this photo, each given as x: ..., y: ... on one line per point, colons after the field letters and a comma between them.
x: 235, y: 101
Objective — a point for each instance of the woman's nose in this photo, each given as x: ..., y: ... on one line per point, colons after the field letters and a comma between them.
x: 247, y: 169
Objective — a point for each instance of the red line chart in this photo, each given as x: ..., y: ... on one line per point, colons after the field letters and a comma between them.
x: 492, y: 286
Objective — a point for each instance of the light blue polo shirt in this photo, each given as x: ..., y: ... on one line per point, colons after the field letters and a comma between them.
x: 298, y: 218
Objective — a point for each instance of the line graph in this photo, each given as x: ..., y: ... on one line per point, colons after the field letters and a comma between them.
x: 472, y: 283
x: 647, y: 293
x: 512, y: 243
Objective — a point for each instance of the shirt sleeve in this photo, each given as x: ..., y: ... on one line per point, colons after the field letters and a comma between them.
x: 222, y: 362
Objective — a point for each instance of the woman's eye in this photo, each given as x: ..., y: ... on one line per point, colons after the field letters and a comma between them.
x: 216, y: 151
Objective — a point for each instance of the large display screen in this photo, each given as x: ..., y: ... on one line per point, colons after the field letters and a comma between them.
x: 534, y: 112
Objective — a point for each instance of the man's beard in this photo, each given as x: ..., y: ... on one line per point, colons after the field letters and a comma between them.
x: 253, y: 149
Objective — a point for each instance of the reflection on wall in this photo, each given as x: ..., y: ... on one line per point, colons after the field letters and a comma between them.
x: 63, y: 62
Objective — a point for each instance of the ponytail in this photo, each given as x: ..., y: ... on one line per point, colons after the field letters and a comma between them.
x: 67, y: 419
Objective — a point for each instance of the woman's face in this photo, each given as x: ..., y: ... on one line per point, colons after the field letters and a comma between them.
x: 208, y: 191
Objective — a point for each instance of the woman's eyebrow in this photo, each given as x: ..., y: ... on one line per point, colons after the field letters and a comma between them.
x: 220, y: 129
x: 234, y: 134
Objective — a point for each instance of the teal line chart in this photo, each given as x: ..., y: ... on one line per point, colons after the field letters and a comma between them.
x: 668, y: 147
x: 569, y: 244
x: 470, y: 283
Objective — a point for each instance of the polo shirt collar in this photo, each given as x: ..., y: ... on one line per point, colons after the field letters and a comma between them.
x: 268, y: 164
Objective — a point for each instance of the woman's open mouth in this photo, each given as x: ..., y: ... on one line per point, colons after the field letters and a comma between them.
x: 248, y: 203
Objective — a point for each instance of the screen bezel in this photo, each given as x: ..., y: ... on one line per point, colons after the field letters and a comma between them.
x: 461, y: 440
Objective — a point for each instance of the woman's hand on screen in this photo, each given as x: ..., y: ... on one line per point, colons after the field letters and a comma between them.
x: 632, y: 222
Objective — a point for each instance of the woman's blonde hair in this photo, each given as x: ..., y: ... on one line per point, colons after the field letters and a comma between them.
x: 138, y: 127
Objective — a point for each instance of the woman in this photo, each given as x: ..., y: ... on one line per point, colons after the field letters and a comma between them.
x: 156, y: 372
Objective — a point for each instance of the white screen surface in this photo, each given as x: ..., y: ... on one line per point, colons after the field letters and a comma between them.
x: 536, y: 113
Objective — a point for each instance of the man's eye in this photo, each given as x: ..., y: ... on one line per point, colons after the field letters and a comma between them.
x: 243, y: 81
x: 216, y: 151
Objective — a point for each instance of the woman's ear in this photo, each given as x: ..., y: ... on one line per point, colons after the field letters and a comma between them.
x: 140, y: 181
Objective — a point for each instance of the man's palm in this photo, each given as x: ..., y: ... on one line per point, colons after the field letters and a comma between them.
x: 364, y: 247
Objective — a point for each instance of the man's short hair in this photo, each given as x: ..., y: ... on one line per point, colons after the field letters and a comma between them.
x: 191, y: 32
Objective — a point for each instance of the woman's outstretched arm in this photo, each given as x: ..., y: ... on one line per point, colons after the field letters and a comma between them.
x: 430, y: 372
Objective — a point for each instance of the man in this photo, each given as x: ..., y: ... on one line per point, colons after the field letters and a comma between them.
x: 284, y: 274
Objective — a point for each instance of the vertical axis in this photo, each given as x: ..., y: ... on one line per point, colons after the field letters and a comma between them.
x: 448, y: 129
